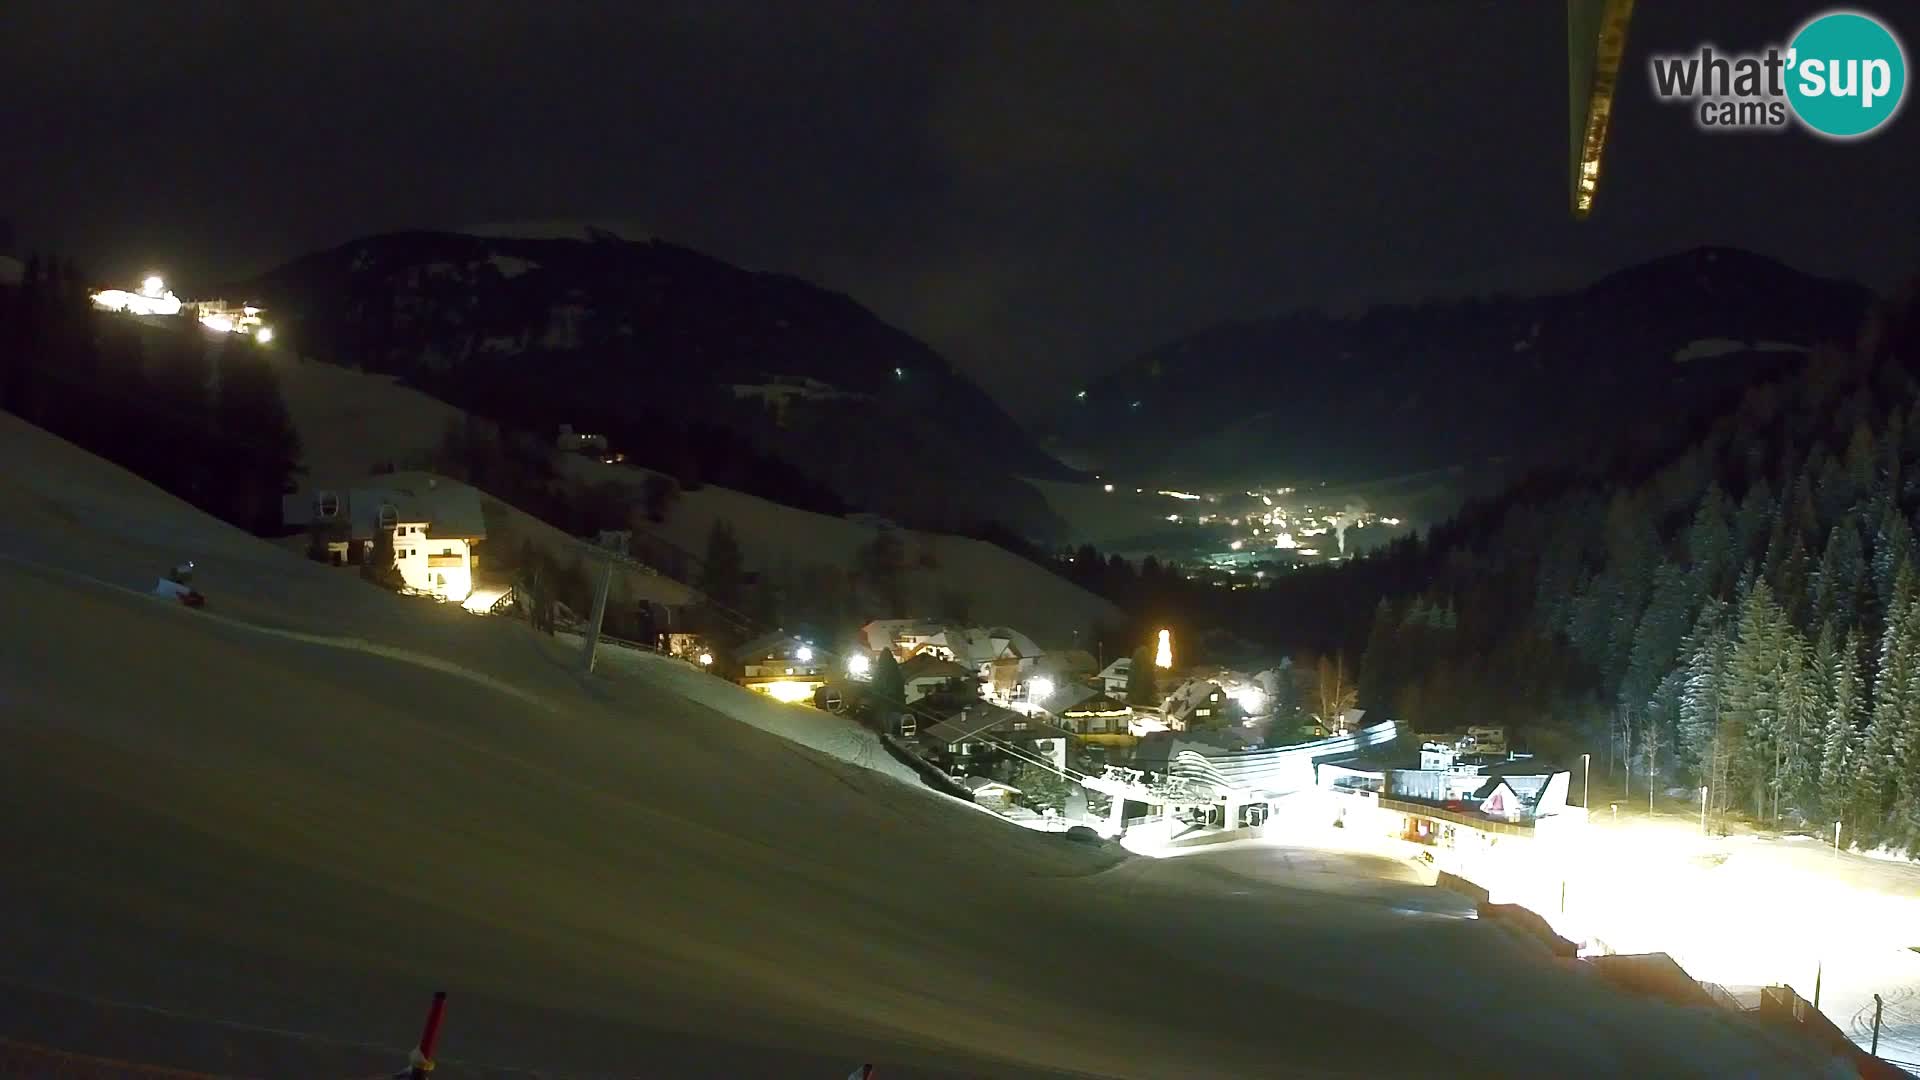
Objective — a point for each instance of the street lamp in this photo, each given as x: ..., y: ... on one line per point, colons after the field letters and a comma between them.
x: 706, y: 659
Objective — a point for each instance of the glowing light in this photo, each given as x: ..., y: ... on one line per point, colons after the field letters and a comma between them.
x: 1266, y: 500
x: 137, y: 303
x: 859, y: 665
x: 263, y: 335
x: 1109, y: 488
x: 1189, y: 496
x: 706, y: 659
x: 1163, y: 655
x: 1082, y: 395
x: 1235, y: 545
x: 803, y: 654
x: 1252, y: 699
x: 221, y: 323
x: 1390, y: 521
x: 1040, y: 689
x: 153, y: 287
x: 1173, y: 517
x: 1284, y: 540
x: 790, y: 692
x: 899, y: 373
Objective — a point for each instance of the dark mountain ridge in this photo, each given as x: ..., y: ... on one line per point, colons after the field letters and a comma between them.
x: 676, y: 354
x: 1310, y: 396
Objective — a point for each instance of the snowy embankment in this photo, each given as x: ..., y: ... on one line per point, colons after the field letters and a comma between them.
x: 278, y: 833
x: 835, y: 736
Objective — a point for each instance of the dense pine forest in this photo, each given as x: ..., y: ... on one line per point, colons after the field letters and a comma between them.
x: 1739, y: 612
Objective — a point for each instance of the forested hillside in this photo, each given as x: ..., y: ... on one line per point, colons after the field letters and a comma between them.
x: 1741, y: 612
x: 197, y: 413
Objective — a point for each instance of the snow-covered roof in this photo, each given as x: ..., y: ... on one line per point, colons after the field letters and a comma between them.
x: 928, y: 666
x: 1068, y: 696
x: 1189, y: 696
x: 980, y: 784
x: 448, y: 510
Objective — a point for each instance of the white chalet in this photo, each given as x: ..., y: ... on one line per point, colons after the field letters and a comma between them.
x: 435, y: 527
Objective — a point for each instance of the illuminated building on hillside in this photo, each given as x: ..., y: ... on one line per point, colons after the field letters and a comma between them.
x: 783, y: 667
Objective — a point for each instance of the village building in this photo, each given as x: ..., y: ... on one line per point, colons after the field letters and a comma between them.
x: 435, y: 529
x: 782, y: 666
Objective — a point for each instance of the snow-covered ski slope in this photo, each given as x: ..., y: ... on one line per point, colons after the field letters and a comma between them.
x: 310, y: 827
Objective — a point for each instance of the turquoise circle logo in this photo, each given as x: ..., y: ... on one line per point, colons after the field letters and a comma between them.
x: 1847, y: 74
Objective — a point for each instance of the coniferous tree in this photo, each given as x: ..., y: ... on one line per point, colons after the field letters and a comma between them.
x: 1703, y: 694
x: 1143, y: 690
x: 1842, y: 574
x: 182, y: 394
x: 260, y: 449
x: 889, y: 690
x: 724, y: 571
x: 1377, y: 663
x: 1839, y: 751
x: 1880, y: 790
x: 1754, y: 719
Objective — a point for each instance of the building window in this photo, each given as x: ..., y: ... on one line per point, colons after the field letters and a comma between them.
x: 1203, y: 712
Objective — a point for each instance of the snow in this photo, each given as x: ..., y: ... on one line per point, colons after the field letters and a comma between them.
x: 835, y: 736
x: 555, y: 230
x: 1002, y: 589
x: 1707, y: 349
x: 348, y: 420
x: 511, y: 267
x: 310, y: 809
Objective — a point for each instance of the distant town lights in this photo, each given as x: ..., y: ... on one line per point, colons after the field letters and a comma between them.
x: 803, y: 654
x: 1040, y: 689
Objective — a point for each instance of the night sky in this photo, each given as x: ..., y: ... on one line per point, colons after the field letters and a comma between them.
x: 1039, y: 189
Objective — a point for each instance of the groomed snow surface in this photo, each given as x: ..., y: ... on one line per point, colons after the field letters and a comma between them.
x: 310, y: 830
